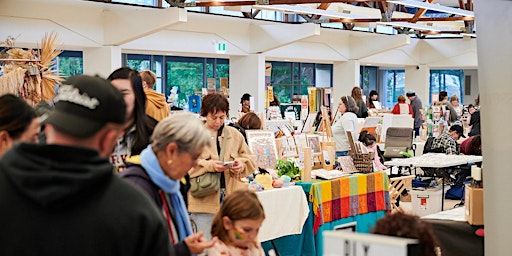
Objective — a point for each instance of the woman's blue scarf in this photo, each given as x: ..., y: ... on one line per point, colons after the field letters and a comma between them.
x: 150, y: 163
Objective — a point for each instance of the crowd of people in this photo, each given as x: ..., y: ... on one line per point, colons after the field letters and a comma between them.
x: 113, y: 173
x: 101, y: 135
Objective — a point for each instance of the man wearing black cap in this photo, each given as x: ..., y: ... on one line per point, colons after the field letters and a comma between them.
x: 416, y: 106
x: 448, y: 140
x: 63, y: 198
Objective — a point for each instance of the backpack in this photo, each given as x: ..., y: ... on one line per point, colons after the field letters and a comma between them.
x: 428, y: 146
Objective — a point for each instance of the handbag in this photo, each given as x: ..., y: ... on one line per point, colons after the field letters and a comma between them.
x: 208, y: 183
x: 205, y: 185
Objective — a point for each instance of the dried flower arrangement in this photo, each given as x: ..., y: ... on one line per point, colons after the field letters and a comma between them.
x: 30, y: 74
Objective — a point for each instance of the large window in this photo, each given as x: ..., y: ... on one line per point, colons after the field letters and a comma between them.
x: 451, y: 81
x: 290, y: 80
x: 70, y: 63
x: 368, y: 79
x: 183, y: 75
x: 394, y: 85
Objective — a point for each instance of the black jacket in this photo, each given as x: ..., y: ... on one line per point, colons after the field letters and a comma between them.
x: 59, y: 200
x: 137, y: 175
x: 475, y: 124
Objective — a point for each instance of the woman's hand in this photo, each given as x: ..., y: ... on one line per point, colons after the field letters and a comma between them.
x: 219, y: 166
x: 237, y: 167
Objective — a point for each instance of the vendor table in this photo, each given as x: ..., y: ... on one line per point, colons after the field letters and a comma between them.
x: 456, y: 236
x: 361, y: 198
x: 286, y: 210
x: 435, y: 160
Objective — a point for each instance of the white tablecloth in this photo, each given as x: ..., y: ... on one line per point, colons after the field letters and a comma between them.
x: 286, y: 210
x: 434, y: 160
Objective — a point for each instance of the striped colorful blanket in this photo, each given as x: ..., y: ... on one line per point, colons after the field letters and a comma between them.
x: 349, y: 196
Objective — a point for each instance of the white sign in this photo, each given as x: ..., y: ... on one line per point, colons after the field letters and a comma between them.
x: 343, y: 243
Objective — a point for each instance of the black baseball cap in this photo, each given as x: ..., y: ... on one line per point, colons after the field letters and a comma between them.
x: 458, y: 129
x: 85, y: 104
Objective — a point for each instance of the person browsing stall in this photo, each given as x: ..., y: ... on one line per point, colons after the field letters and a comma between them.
x: 249, y: 121
x: 416, y: 107
x: 175, y: 147
x: 347, y: 122
x: 227, y: 154
x: 443, y: 99
x: 362, y: 109
x: 156, y: 104
x: 138, y: 125
x: 63, y: 198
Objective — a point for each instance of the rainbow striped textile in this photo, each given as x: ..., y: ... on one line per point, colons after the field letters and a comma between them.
x: 349, y: 196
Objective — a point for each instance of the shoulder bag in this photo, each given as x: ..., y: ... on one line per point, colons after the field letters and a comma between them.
x: 208, y: 183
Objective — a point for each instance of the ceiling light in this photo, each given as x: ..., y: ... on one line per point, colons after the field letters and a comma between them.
x: 434, y: 7
x: 303, y: 10
x: 414, y: 26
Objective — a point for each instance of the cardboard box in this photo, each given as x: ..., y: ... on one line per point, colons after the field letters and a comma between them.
x: 474, y: 205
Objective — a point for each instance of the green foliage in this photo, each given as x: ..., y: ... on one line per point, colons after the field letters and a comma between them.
x: 69, y: 66
x: 287, y: 168
x: 188, y: 76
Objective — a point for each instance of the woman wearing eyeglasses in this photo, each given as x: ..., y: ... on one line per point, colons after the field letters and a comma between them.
x: 227, y: 145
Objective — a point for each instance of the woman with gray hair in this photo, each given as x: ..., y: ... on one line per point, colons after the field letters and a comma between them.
x: 176, y: 146
x: 347, y: 122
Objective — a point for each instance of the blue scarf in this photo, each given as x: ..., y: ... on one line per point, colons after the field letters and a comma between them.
x: 150, y: 163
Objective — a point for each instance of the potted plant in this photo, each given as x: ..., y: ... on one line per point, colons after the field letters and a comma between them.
x: 288, y: 168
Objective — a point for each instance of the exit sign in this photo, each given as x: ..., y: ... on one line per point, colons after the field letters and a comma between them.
x: 221, y: 48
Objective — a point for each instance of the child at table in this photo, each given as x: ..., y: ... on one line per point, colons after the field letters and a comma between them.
x: 237, y: 225
x: 370, y: 143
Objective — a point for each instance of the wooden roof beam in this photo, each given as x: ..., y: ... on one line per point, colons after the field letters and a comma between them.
x: 423, y: 19
x: 420, y: 13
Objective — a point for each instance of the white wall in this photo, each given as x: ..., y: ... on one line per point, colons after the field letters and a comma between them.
x: 473, y: 73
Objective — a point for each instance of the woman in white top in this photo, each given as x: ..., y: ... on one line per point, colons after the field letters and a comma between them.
x: 347, y: 122
x: 454, y: 100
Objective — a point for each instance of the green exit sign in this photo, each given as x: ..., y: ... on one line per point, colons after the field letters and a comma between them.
x: 221, y: 48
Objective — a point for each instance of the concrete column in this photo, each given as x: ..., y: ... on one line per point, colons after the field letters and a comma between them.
x: 494, y: 76
x: 417, y: 78
x: 102, y: 60
x: 345, y: 77
x: 246, y: 75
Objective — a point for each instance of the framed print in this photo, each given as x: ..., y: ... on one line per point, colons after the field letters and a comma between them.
x: 263, y: 146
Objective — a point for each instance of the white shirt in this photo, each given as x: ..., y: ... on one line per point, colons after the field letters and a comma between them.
x: 347, y: 122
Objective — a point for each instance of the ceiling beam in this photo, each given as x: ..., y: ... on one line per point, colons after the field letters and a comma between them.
x: 419, y: 13
x: 423, y: 19
x: 270, y: 2
x: 322, y: 6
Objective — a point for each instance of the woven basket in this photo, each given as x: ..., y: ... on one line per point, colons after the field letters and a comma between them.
x: 362, y: 161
